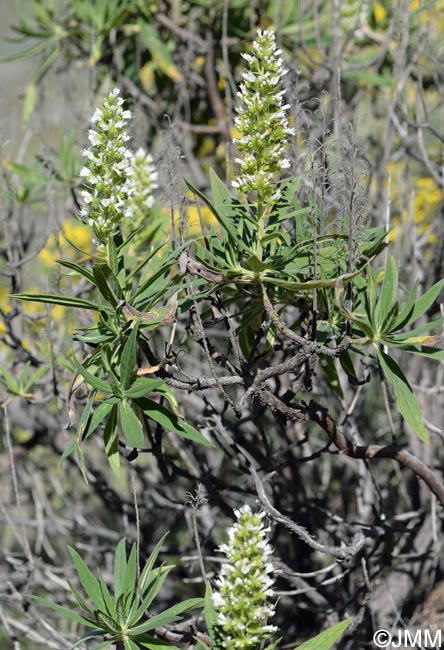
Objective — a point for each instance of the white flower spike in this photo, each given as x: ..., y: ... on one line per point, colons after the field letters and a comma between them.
x: 262, y: 121
x: 244, y: 584
x: 108, y: 169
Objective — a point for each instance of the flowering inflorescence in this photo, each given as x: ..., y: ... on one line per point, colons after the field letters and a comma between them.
x: 244, y: 584
x: 262, y: 121
x: 112, y: 174
x: 143, y: 181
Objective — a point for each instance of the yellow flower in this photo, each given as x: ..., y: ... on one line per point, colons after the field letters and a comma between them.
x: 77, y: 233
x: 193, y: 220
x: 379, y: 11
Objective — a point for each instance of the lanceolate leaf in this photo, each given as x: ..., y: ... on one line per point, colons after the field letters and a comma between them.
x: 107, y: 284
x: 405, y: 397
x: 419, y: 307
x: 119, y: 567
x: 131, y: 425
x: 141, y: 387
x: 150, y: 562
x: 326, y: 639
x: 128, y: 358
x: 210, y: 613
x: 111, y: 441
x: 155, y: 583
x: 170, y: 615
x: 64, y: 611
x: 88, y: 581
x: 95, y: 382
x: 56, y: 300
x: 171, y: 421
x: 389, y: 292
x: 97, y: 417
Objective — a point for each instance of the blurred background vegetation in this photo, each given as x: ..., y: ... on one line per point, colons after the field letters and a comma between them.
x: 366, y: 88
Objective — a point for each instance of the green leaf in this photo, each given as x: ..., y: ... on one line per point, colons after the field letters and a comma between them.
x: 107, y: 284
x: 152, y: 588
x: 119, y: 567
x: 111, y: 441
x: 171, y: 421
x: 131, y: 425
x: 407, y: 310
x: 150, y: 562
x: 405, y: 397
x: 367, y: 77
x: 210, y: 613
x: 107, y: 598
x: 79, y: 598
x: 415, y: 332
x: 56, y: 300
x: 151, y: 643
x: 88, y: 581
x: 130, y: 645
x: 371, y: 295
x: 388, y: 295
x: 29, y: 102
x: 128, y: 358
x: 141, y: 387
x: 170, y: 615
x: 105, y: 621
x: 78, y: 270
x: 73, y: 616
x: 94, y: 381
x: 420, y: 306
x: 130, y: 577
x: 92, y: 635
x: 97, y: 417
x: 158, y: 50
x: 326, y: 639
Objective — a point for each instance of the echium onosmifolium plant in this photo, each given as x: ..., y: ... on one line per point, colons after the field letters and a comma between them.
x: 244, y: 584
x: 108, y: 169
x: 262, y: 121
x: 143, y: 182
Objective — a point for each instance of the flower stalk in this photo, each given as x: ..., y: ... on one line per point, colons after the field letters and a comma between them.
x: 108, y: 170
x: 263, y: 124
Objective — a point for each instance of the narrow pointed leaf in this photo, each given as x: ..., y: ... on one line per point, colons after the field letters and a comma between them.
x: 97, y: 417
x: 326, y: 639
x: 93, y: 635
x: 119, y: 567
x: 107, y: 598
x: 56, y: 300
x: 130, y: 577
x: 153, y: 586
x: 88, y: 581
x: 421, y: 305
x: 405, y: 397
x: 170, y: 615
x: 407, y: 310
x: 388, y: 295
x: 64, y: 611
x: 95, y: 382
x: 107, y: 284
x: 210, y: 612
x: 111, y: 441
x: 150, y: 562
x: 78, y: 269
x: 128, y: 358
x: 79, y: 598
x: 171, y: 421
x: 141, y: 387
